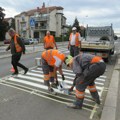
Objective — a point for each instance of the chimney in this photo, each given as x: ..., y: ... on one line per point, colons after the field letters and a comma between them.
x: 43, y: 6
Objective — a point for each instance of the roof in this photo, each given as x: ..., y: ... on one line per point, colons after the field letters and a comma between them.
x: 7, y: 19
x: 42, y: 10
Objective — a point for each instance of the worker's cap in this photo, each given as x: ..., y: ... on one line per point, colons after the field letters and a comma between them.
x: 68, y: 59
x: 74, y: 28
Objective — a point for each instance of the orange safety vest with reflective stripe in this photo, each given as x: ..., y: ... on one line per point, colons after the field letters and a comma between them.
x: 77, y: 42
x: 48, y: 55
x: 17, y: 46
x: 96, y: 59
x: 49, y: 41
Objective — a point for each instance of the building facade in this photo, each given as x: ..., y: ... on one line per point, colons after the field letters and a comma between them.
x: 34, y: 23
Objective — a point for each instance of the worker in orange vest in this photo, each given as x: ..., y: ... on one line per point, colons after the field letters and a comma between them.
x: 17, y: 48
x: 74, y: 44
x: 87, y: 68
x: 52, y: 61
x: 49, y: 41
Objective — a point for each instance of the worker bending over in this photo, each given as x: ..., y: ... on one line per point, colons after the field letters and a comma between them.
x: 87, y: 68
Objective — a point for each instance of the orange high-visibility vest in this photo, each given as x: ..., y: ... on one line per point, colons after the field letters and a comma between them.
x: 96, y: 59
x: 77, y: 42
x: 17, y: 46
x: 48, y: 56
x: 49, y: 41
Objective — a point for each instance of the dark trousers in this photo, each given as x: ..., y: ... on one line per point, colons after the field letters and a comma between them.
x: 74, y: 50
x: 15, y: 62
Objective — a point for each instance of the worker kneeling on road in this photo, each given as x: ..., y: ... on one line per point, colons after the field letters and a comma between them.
x: 87, y: 68
x: 52, y: 61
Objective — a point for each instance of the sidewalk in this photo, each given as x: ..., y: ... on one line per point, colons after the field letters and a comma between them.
x: 112, y: 104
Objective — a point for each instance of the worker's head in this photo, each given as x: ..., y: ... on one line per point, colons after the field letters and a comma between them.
x: 68, y: 60
x: 74, y: 29
x: 48, y: 33
x: 11, y: 32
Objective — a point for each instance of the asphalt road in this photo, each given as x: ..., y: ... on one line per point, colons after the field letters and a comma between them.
x: 19, y: 104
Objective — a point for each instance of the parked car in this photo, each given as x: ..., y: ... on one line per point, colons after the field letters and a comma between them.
x: 35, y: 41
x: 26, y: 41
x: 7, y: 41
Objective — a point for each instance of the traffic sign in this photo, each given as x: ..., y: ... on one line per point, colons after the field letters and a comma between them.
x: 32, y: 22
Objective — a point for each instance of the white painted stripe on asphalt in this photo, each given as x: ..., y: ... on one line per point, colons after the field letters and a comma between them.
x: 70, y: 82
x: 39, y: 79
x: 42, y: 86
x: 62, y: 69
x: 38, y: 75
x: 98, y: 79
x: 65, y: 73
x: 33, y: 84
x: 102, y: 76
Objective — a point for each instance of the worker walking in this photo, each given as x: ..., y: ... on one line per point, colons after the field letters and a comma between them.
x: 17, y: 48
x: 74, y: 44
x: 87, y: 68
x: 49, y: 41
x: 52, y: 61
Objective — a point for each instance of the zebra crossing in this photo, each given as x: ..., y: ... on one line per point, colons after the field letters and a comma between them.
x: 33, y: 83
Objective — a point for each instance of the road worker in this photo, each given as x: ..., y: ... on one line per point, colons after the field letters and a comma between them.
x: 17, y: 48
x: 49, y: 41
x: 52, y: 61
x: 87, y: 68
x: 74, y: 44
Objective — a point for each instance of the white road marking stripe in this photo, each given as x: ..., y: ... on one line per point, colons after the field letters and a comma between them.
x: 99, y: 79
x: 65, y: 73
x: 42, y: 86
x: 70, y: 82
x: 38, y: 75
x: 62, y: 69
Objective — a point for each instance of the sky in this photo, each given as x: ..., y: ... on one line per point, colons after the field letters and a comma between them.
x: 91, y: 12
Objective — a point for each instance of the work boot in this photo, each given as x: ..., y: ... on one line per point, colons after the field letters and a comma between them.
x: 15, y: 73
x: 76, y: 105
x: 51, y: 91
x: 25, y: 71
x: 95, y: 97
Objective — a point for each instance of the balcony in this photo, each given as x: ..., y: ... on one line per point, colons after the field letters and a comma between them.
x: 45, y: 18
x: 41, y: 28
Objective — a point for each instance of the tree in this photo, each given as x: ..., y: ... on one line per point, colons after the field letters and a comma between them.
x: 3, y: 25
x: 80, y: 29
x: 76, y: 24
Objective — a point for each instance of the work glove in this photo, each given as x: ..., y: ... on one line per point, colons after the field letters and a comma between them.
x: 63, y: 78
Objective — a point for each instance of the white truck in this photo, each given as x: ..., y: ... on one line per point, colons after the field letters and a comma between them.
x: 99, y: 41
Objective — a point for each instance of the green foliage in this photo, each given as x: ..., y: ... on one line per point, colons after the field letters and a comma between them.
x: 3, y: 25
x: 62, y: 38
x: 76, y: 24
